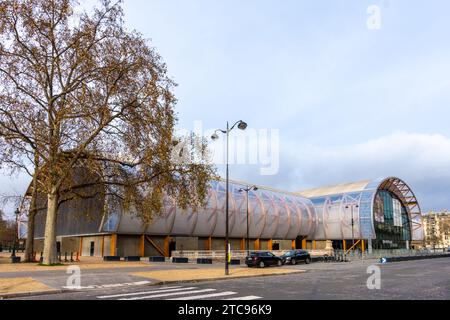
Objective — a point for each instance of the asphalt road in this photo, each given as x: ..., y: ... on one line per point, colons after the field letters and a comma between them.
x: 422, y: 280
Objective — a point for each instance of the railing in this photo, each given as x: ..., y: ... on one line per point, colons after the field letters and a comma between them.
x: 335, y: 255
x: 9, y: 246
x: 378, y: 254
x: 238, y: 254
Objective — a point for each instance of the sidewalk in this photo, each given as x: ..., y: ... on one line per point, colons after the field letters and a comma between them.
x: 22, y: 285
x: 214, y: 274
x: 30, y: 279
x: 86, y: 263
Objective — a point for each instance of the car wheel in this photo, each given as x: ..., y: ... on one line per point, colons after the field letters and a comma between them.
x: 262, y: 264
x: 308, y: 260
x: 279, y: 263
x: 294, y: 262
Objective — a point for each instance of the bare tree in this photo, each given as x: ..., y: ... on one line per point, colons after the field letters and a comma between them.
x: 7, y: 230
x: 81, y: 91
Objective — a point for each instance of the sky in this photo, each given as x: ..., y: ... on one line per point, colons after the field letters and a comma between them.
x: 342, y: 102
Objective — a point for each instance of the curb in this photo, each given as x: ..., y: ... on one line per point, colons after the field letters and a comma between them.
x: 31, y: 294
x: 160, y: 283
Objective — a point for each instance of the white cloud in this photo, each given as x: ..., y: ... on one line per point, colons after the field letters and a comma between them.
x: 422, y: 160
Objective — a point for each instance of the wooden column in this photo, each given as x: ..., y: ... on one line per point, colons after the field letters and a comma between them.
x: 243, y: 245
x: 113, y: 246
x: 270, y: 245
x: 314, y: 245
x: 80, y: 249
x: 209, y: 244
x: 167, y: 247
x: 304, y: 244
x: 363, y: 246
x: 142, y: 246
x: 344, y: 245
x: 257, y: 244
x: 294, y: 245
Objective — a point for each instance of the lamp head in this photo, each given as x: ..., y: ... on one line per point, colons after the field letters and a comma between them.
x: 215, y: 137
x: 255, y: 188
x: 242, y: 125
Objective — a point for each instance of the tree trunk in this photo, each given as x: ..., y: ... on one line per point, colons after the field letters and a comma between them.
x: 29, y: 249
x: 50, y: 254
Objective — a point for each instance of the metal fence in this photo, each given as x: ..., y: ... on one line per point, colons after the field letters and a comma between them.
x: 378, y: 254
x: 6, y: 246
x: 238, y: 254
x: 329, y: 255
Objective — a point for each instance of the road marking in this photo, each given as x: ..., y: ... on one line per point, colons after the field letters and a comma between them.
x: 206, y: 296
x: 248, y: 298
x: 106, y: 286
x: 170, y: 294
x: 184, y: 293
x: 160, y: 290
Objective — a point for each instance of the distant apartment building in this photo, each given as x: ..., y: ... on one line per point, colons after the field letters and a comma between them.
x: 437, y: 229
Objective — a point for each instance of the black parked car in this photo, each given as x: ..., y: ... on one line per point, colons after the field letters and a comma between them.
x: 263, y: 259
x: 295, y: 256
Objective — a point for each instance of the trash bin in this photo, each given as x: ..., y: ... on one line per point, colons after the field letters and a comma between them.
x: 16, y: 259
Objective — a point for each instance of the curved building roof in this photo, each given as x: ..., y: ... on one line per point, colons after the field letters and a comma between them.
x: 334, y: 190
x: 273, y: 214
x: 334, y: 219
x: 318, y: 214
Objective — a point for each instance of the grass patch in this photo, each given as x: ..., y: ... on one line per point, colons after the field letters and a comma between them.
x: 51, y: 265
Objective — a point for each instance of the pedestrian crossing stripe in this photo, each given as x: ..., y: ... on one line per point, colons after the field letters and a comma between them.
x: 166, y: 289
x: 170, y: 294
x: 180, y: 293
x: 206, y: 296
x: 108, y: 286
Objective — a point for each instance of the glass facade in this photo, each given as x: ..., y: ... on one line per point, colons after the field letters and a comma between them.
x: 392, y: 224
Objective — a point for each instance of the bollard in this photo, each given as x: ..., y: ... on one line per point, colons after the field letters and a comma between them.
x: 41, y: 259
x: 71, y: 257
x: 65, y: 257
x: 78, y: 257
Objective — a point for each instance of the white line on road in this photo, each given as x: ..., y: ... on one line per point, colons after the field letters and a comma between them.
x: 166, y: 289
x: 206, y: 296
x: 248, y: 298
x: 106, y: 286
x: 171, y: 294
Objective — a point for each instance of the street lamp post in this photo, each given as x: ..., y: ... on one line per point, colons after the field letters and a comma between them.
x: 353, y: 224
x: 247, y: 190
x: 17, y: 213
x: 242, y: 126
